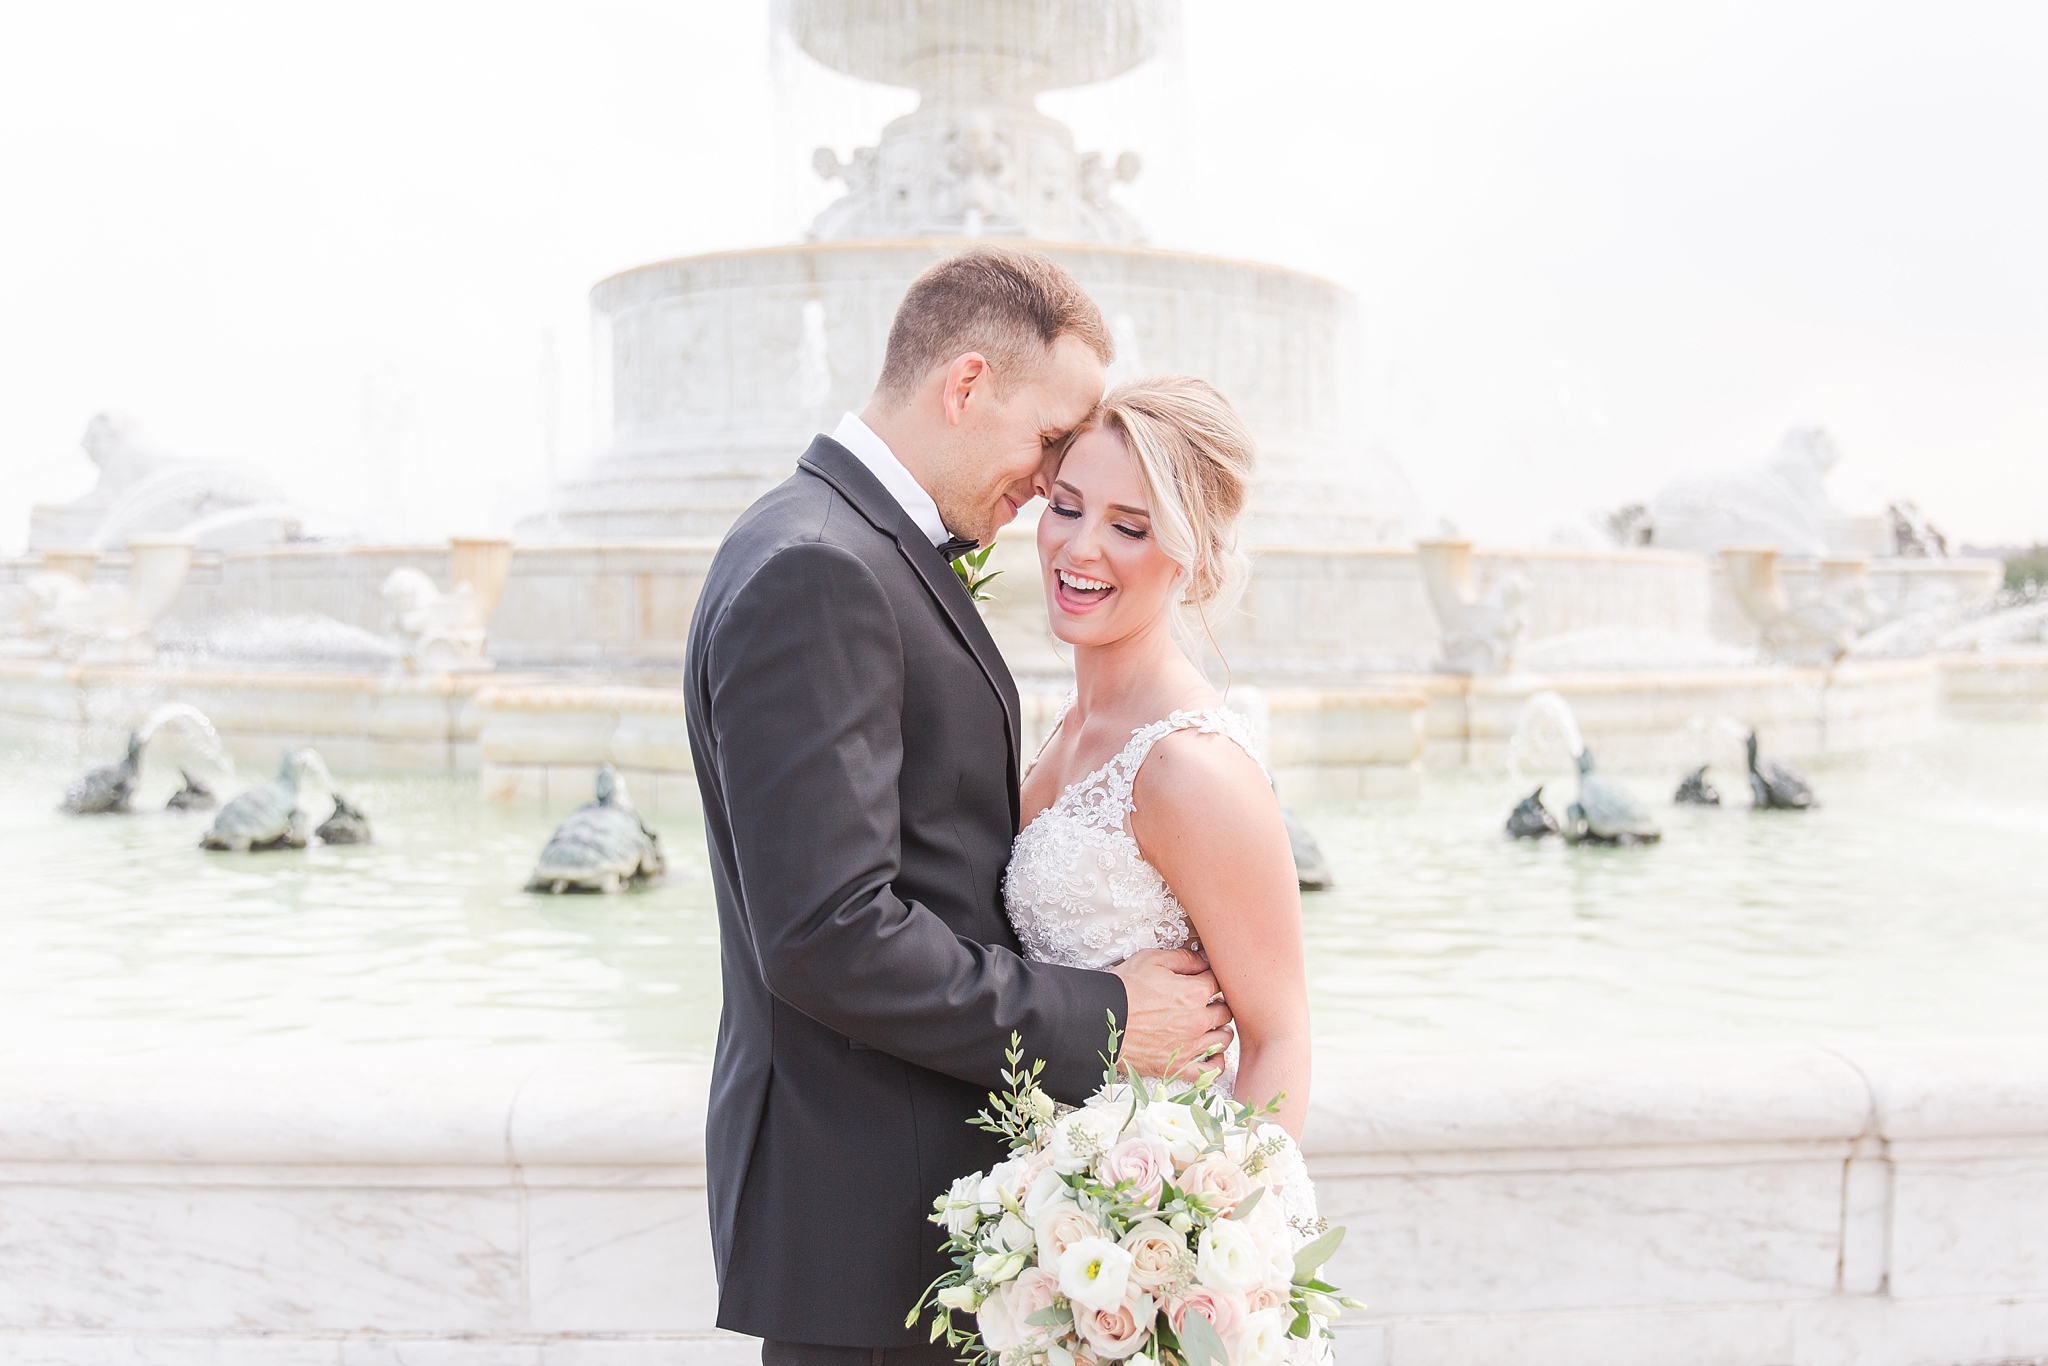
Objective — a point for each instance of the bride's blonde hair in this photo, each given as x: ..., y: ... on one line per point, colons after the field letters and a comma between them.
x: 1196, y: 456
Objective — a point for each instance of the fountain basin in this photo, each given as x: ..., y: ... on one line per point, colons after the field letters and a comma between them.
x: 357, y: 721
x: 1794, y: 1205
x: 719, y: 381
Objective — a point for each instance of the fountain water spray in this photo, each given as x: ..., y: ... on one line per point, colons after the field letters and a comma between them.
x: 196, y: 722
x: 1546, y: 739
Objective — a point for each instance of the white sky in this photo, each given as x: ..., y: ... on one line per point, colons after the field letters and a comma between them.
x: 1596, y: 242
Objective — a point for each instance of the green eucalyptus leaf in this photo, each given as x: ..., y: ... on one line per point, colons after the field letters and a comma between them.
x: 1249, y: 1203
x: 1201, y: 1342
x: 1311, y: 1258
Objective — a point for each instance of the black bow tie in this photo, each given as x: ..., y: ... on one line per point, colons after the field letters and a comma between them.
x: 957, y: 547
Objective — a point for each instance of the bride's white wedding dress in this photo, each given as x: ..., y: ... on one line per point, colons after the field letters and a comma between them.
x: 1080, y: 893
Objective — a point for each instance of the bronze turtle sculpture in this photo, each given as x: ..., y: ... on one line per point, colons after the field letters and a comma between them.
x: 268, y: 816
x: 1695, y: 790
x: 603, y: 846
x: 1606, y: 812
x: 346, y: 826
x: 193, y: 796
x: 106, y: 789
x: 1531, y: 819
x: 1777, y: 787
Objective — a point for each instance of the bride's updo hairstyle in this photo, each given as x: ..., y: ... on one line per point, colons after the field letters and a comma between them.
x: 1196, y: 457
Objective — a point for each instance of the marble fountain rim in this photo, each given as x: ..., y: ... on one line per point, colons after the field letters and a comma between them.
x: 935, y: 247
x: 1502, y: 1108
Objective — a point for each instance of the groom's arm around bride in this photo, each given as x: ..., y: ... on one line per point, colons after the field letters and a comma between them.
x: 856, y: 735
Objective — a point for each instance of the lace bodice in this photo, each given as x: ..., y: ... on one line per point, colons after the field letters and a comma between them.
x: 1077, y: 889
x: 1080, y: 893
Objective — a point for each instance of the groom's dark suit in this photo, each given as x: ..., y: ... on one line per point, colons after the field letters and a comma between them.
x: 855, y: 734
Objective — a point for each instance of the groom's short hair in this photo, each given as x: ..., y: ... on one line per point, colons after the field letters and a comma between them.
x: 1009, y: 304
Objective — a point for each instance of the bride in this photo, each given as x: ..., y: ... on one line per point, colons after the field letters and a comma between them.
x: 1148, y: 822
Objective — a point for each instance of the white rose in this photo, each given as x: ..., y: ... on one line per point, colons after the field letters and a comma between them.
x: 1079, y: 1139
x: 1155, y: 1253
x: 1001, y: 1177
x: 1171, y: 1123
x: 1228, y: 1257
x: 1013, y: 1234
x: 1263, y: 1340
x: 1046, y: 1190
x: 999, y: 1331
x: 963, y: 1205
x: 1094, y: 1273
x: 1119, y: 1331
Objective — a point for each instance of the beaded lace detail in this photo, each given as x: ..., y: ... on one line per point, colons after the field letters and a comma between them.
x: 1077, y: 889
x: 1080, y: 893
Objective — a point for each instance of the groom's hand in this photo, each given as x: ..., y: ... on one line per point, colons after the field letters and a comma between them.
x: 1173, y: 1013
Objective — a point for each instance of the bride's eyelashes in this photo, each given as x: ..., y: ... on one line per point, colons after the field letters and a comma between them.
x: 1135, y: 533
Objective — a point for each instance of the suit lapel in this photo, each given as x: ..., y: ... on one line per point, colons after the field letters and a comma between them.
x: 841, y: 469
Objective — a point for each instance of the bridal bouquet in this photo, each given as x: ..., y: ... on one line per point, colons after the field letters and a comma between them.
x: 1147, y: 1226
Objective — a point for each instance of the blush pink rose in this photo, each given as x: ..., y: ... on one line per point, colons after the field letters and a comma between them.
x: 1218, y: 1178
x: 1032, y: 1291
x: 1265, y: 1297
x: 1117, y: 1332
x: 1143, y: 1161
x: 1225, y: 1310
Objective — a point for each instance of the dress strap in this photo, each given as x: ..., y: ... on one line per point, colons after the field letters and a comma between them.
x: 1051, y: 730
x: 1208, y: 721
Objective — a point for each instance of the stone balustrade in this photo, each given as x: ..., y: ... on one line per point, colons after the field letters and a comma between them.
x: 1791, y: 1206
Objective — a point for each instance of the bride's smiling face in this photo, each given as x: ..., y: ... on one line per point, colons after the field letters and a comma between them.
x: 1105, y: 575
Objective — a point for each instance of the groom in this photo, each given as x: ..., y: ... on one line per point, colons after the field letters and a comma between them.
x: 856, y: 737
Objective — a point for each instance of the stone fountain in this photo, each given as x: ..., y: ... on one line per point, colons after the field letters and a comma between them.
x: 724, y: 366
x: 534, y: 662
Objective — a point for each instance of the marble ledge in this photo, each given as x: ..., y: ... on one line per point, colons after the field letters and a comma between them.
x: 1496, y: 1111
x: 455, y: 1111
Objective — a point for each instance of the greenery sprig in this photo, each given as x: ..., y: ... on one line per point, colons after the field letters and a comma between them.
x: 970, y: 568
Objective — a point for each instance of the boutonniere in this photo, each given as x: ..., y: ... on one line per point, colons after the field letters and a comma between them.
x: 974, y: 572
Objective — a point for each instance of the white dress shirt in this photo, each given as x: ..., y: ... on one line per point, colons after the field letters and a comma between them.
x: 874, y: 452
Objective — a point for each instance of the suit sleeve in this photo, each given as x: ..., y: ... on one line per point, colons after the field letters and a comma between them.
x: 804, y: 685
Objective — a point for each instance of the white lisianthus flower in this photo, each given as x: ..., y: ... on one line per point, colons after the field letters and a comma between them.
x: 1056, y: 1355
x: 999, y: 1330
x: 1039, y: 1106
x: 1319, y: 1303
x: 960, y: 1297
x: 1276, y: 1241
x: 1263, y: 1339
x: 963, y: 1205
x: 1094, y: 1273
x: 1228, y: 1257
x: 1063, y: 1225
x: 1080, y: 1138
x: 1169, y: 1122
